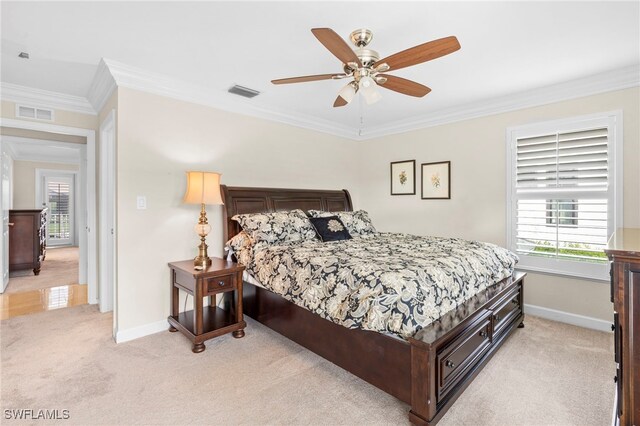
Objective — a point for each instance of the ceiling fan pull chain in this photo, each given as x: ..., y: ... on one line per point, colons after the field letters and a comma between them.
x: 361, y: 115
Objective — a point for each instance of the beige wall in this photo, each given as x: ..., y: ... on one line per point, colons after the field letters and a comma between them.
x: 159, y: 139
x: 36, y: 134
x: 24, y: 181
x: 477, y: 151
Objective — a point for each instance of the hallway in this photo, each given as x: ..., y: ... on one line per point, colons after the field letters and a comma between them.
x: 55, y: 287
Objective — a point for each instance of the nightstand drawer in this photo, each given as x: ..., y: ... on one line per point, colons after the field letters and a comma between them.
x: 218, y: 284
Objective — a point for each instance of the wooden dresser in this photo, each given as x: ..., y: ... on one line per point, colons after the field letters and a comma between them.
x: 623, y: 250
x: 27, y: 239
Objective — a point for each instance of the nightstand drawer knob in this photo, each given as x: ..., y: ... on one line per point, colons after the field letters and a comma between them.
x: 483, y: 333
x: 449, y: 364
x: 221, y: 283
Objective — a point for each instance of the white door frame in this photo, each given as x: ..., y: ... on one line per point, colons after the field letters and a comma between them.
x: 87, y: 221
x: 6, y: 200
x: 108, y: 222
x: 76, y: 206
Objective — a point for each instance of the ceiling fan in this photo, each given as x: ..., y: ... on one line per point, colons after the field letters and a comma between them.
x: 366, y: 68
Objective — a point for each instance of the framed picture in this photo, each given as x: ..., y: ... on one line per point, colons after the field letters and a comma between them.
x: 436, y: 181
x: 403, y: 177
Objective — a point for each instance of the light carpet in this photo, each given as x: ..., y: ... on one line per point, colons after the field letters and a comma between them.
x: 546, y: 374
x: 60, y: 267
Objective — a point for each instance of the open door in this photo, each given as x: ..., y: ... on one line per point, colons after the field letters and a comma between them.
x: 108, y: 215
x: 5, y: 196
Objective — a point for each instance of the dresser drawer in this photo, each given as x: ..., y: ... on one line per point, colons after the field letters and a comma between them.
x: 461, y: 354
x: 218, y: 284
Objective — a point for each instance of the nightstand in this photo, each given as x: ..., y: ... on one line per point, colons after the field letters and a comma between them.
x: 206, y: 322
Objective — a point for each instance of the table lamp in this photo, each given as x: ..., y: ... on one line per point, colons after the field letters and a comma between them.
x: 202, y: 188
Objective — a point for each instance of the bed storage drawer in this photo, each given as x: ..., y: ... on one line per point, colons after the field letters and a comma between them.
x: 462, y: 353
x: 505, y: 311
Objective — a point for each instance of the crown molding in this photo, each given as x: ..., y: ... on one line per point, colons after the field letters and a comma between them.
x: 134, y: 78
x: 619, y: 79
x: 111, y: 74
x: 38, y: 150
x: 43, y: 98
x: 102, y: 86
x: 138, y: 79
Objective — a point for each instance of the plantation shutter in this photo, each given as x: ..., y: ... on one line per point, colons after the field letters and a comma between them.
x: 58, y: 194
x: 563, y: 160
x: 561, y: 184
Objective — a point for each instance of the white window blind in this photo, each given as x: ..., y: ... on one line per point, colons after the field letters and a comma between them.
x: 561, y: 198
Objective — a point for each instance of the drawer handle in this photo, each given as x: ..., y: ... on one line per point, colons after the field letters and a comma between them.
x: 615, y: 379
x: 497, y: 317
x: 483, y: 333
x: 613, y: 327
x: 221, y: 283
x: 449, y: 364
x: 10, y: 223
x: 514, y: 301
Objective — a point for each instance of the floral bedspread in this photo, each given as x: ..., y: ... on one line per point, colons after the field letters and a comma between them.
x: 388, y: 283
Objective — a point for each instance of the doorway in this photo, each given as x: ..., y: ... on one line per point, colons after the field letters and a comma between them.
x: 73, y: 208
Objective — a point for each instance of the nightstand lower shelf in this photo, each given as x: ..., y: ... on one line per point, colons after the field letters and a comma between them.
x: 215, y: 322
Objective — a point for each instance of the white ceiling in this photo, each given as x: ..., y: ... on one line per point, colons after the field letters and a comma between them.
x: 507, y: 47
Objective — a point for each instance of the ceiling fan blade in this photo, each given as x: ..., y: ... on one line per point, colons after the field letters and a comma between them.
x: 340, y: 102
x: 336, y: 45
x: 404, y: 86
x: 305, y: 78
x: 421, y: 53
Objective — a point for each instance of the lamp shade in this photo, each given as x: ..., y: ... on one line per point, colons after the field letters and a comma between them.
x: 203, y: 188
x: 348, y: 92
x: 368, y: 88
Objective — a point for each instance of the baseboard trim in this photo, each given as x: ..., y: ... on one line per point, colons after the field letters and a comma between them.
x: 568, y: 318
x: 141, y: 331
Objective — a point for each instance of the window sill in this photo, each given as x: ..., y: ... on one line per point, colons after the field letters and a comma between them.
x: 579, y: 270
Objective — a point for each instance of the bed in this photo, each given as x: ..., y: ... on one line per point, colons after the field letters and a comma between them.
x: 429, y: 369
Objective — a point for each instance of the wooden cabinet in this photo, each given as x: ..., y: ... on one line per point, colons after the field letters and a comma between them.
x: 27, y: 239
x: 623, y: 251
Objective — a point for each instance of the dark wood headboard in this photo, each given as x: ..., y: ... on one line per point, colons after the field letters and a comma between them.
x: 238, y: 200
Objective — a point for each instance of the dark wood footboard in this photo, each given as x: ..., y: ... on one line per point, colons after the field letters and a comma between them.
x: 449, y: 354
x: 429, y: 371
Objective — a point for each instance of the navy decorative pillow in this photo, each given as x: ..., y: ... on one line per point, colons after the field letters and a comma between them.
x: 357, y: 223
x: 330, y: 228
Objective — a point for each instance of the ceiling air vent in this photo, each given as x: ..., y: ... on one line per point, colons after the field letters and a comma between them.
x: 243, y: 91
x: 24, y: 111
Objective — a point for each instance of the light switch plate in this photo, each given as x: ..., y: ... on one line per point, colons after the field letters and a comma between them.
x: 141, y: 202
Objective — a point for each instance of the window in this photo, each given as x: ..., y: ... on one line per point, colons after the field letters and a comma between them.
x: 563, y: 201
x: 566, y: 211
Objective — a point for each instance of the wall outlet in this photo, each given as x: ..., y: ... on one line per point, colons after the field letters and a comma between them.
x: 141, y: 202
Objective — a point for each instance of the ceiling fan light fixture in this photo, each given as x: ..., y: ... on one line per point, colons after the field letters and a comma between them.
x: 366, y: 83
x: 348, y: 92
x: 371, y: 97
x: 368, y: 88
